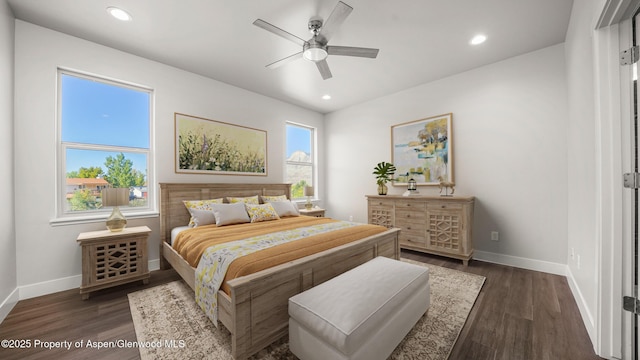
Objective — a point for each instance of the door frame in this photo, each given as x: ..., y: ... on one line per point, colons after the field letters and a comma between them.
x: 613, y: 104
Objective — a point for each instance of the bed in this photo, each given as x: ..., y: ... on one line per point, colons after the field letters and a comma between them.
x: 255, y: 308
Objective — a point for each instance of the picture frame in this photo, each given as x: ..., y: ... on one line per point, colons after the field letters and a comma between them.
x: 423, y: 150
x: 205, y: 146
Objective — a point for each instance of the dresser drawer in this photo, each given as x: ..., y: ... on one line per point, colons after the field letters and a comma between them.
x: 410, y: 205
x: 411, y: 216
x: 409, y: 225
x: 444, y: 206
x: 412, y: 240
x: 381, y: 203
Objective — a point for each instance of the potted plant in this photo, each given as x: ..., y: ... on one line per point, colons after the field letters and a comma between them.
x: 384, y: 173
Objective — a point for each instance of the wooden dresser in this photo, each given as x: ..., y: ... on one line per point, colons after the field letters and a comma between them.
x: 431, y: 224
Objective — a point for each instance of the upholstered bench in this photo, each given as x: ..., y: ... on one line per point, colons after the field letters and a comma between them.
x: 363, y: 313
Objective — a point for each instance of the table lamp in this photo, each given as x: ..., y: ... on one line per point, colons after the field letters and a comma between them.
x: 308, y: 192
x: 115, y: 197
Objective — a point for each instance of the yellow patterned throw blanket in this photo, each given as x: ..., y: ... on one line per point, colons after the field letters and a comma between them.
x: 228, y: 252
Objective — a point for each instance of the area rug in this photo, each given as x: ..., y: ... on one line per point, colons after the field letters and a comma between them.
x: 170, y: 325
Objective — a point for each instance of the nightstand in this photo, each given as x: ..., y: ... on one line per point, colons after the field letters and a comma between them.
x: 113, y: 258
x: 317, y: 212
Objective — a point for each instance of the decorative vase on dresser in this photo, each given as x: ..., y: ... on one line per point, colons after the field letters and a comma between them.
x: 430, y: 224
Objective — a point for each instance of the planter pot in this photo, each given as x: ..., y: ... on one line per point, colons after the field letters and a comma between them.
x: 382, y: 189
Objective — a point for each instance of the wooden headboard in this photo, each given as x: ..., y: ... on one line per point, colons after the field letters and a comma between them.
x: 173, y: 213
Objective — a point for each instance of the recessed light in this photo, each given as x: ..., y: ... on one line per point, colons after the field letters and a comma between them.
x: 118, y: 13
x: 326, y: 97
x: 478, y: 39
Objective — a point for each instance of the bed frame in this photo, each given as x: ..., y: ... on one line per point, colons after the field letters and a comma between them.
x: 256, y: 311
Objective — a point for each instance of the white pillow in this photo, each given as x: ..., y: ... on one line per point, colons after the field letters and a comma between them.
x: 285, y: 208
x: 227, y: 214
x: 201, y: 217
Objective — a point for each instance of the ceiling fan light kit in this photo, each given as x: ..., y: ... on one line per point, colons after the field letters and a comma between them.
x: 317, y: 49
x: 314, y: 52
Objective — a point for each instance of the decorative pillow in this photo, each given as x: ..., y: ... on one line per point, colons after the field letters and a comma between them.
x: 199, y: 205
x: 246, y: 200
x: 272, y: 198
x: 227, y: 214
x: 202, y: 217
x: 285, y: 208
x: 264, y: 212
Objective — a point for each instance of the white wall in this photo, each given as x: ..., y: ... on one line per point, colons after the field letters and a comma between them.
x: 599, y: 133
x: 48, y: 257
x: 8, y: 297
x: 582, y: 151
x: 509, y: 151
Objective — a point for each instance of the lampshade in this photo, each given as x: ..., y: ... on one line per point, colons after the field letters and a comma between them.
x: 315, y: 54
x: 308, y: 191
x: 314, y: 50
x: 115, y: 196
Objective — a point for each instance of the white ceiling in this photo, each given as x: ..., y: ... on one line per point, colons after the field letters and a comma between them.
x: 419, y: 40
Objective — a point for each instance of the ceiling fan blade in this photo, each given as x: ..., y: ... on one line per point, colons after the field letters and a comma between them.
x: 276, y: 30
x: 323, y: 67
x: 288, y: 59
x: 335, y: 19
x: 353, y: 51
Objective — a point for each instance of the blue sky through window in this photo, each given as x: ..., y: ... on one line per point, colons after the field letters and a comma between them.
x: 101, y: 113
x: 298, y: 138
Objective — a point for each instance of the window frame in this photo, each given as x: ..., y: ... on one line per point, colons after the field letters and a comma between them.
x: 313, y: 157
x: 63, y: 216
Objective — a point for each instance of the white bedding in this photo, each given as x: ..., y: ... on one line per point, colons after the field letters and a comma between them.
x: 176, y: 231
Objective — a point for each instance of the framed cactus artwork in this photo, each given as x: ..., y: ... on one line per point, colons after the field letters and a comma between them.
x: 422, y: 150
x: 205, y: 146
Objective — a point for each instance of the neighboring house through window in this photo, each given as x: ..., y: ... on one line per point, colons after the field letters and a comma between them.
x: 104, y: 141
x: 300, y: 158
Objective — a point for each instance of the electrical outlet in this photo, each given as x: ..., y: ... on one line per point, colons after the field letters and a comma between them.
x: 573, y: 254
x: 494, y: 236
x: 350, y: 217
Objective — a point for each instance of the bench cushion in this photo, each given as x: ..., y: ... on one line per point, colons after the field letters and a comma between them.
x: 348, y: 309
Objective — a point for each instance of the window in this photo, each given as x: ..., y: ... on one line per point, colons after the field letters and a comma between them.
x: 300, y: 159
x: 104, y: 141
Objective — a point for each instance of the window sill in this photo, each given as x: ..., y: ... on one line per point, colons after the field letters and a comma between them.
x: 74, y: 220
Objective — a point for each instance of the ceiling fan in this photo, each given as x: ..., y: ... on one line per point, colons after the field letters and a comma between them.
x: 317, y: 49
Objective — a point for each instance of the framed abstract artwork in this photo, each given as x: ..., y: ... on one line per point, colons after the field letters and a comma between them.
x: 205, y: 146
x: 422, y: 150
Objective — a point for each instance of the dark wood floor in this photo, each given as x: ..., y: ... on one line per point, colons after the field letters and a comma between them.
x: 519, y: 314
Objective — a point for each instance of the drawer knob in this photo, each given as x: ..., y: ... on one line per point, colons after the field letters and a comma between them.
x: 408, y: 215
x: 408, y: 227
x: 443, y: 206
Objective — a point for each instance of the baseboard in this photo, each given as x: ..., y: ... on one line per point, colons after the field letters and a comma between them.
x: 587, y: 317
x: 52, y: 286
x: 49, y: 287
x: 520, y: 262
x: 154, y: 265
x: 8, y: 304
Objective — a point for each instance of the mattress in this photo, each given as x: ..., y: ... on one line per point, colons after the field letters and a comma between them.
x: 192, y: 243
